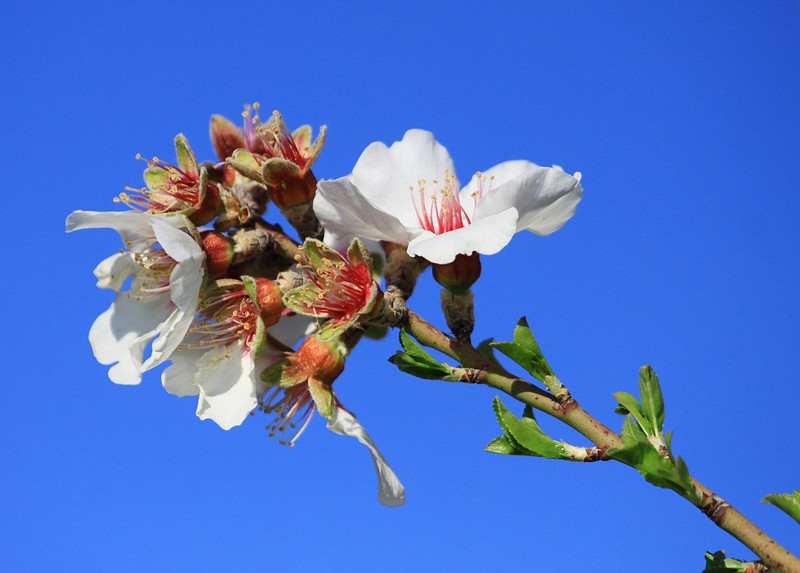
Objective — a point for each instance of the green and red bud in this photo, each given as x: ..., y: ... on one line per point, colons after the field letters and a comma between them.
x: 459, y: 275
x: 219, y: 251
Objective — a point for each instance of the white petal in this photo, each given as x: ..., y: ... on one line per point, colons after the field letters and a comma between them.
x: 346, y: 213
x: 178, y: 377
x: 390, y: 490
x: 544, y: 197
x: 121, y: 333
x: 485, y: 236
x: 176, y: 243
x: 290, y: 329
x: 135, y: 228
x: 113, y: 271
x: 384, y: 174
x: 171, y: 332
x: 226, y: 378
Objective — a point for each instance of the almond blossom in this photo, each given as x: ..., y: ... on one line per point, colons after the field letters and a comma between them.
x: 167, y: 270
x: 228, y: 345
x: 409, y: 194
x: 302, y: 383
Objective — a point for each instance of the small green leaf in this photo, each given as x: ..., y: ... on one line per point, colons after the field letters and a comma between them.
x: 660, y: 471
x: 628, y: 404
x: 487, y: 351
x: 414, y: 360
x: 788, y: 502
x: 525, y: 351
x: 718, y: 563
x: 652, y: 399
x: 503, y: 445
x: 526, y: 435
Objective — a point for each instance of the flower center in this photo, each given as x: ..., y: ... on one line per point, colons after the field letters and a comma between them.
x: 272, y: 139
x: 175, y: 191
x: 292, y: 407
x: 443, y: 212
x: 152, y: 278
x: 224, y: 316
x: 342, y: 289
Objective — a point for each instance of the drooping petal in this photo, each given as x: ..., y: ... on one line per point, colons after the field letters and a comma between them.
x: 390, y: 490
x: 384, y: 174
x: 114, y: 270
x: 346, y: 213
x: 134, y: 227
x: 485, y: 236
x: 545, y: 197
x: 120, y: 334
x: 226, y: 380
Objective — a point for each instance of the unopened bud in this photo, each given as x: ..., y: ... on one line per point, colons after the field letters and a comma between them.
x: 219, y: 253
x: 460, y: 275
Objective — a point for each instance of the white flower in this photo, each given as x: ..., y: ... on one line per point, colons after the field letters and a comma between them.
x: 167, y: 269
x: 408, y: 194
x: 224, y: 353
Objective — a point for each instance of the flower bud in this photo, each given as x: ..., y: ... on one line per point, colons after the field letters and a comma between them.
x: 219, y: 251
x: 460, y: 275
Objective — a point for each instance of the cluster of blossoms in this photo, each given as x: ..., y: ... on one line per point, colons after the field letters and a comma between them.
x: 252, y: 318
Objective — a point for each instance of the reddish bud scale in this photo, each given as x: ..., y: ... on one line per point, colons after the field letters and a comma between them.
x: 460, y: 275
x: 288, y: 190
x: 269, y: 299
x: 219, y: 253
x: 315, y: 359
x: 209, y: 208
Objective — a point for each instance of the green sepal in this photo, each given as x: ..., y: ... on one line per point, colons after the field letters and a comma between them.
x: 276, y: 170
x: 718, y: 563
x: 246, y: 164
x: 788, y: 502
x: 628, y: 404
x: 525, y: 351
x: 661, y: 471
x: 414, y: 360
x: 526, y: 436
x: 652, y: 399
x: 323, y: 397
x: 156, y: 177
x: 272, y: 375
x: 187, y: 161
x: 260, y: 336
x: 302, y: 137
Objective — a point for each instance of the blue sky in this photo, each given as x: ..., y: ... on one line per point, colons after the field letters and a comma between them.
x: 682, y: 118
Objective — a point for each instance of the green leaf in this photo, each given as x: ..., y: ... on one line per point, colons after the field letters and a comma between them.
x: 652, y: 399
x: 526, y: 435
x: 503, y: 445
x: 628, y: 404
x: 525, y: 351
x: 718, y: 563
x: 487, y: 351
x: 658, y: 470
x: 414, y: 360
x: 788, y: 502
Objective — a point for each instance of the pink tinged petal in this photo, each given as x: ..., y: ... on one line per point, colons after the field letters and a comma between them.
x: 544, y: 197
x: 114, y: 270
x: 384, y: 174
x: 390, y: 490
x: 485, y: 236
x: 120, y: 334
x: 178, y: 377
x: 226, y: 379
x: 346, y: 213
